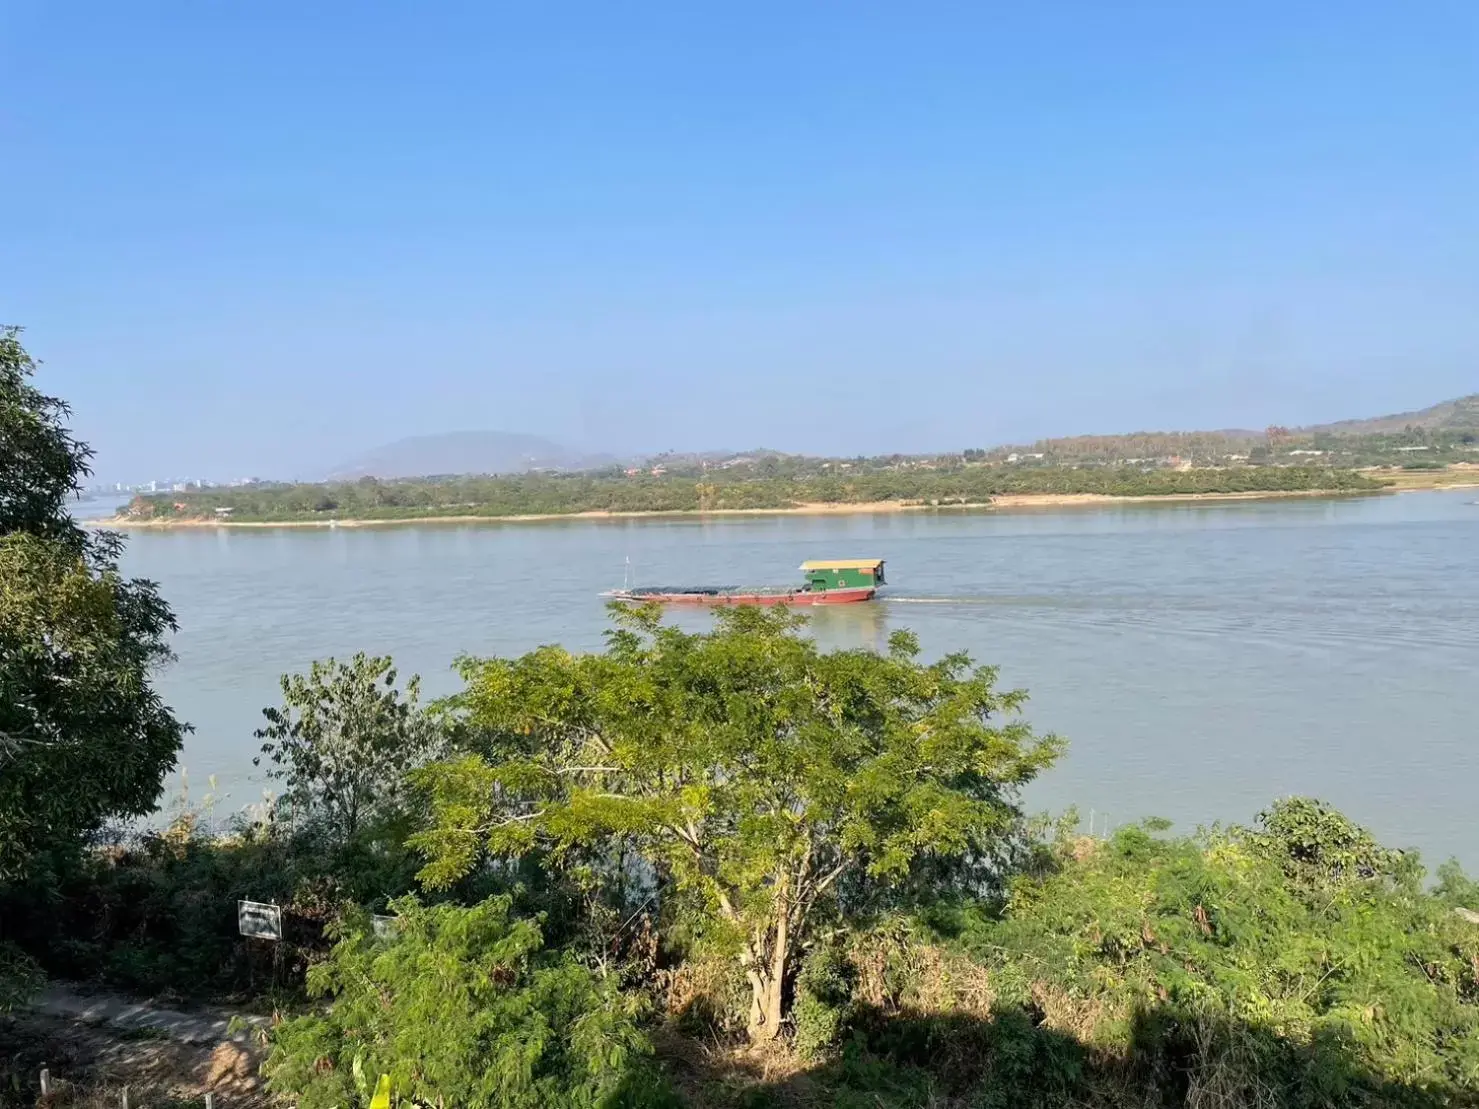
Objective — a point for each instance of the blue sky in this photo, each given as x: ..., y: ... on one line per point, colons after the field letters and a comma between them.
x: 260, y: 237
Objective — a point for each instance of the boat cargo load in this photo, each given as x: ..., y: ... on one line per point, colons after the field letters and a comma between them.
x: 826, y: 582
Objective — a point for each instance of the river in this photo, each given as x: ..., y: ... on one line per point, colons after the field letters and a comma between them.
x: 1201, y: 659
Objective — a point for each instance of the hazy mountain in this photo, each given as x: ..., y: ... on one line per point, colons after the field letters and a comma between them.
x: 501, y: 452
x: 466, y: 452
x: 1462, y: 413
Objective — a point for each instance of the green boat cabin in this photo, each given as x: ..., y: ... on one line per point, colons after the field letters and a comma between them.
x: 845, y: 573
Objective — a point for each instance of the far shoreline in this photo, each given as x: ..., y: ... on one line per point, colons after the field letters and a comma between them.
x: 1008, y: 502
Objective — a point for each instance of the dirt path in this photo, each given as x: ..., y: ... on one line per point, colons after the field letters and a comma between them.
x: 95, y: 1045
x: 200, y: 1026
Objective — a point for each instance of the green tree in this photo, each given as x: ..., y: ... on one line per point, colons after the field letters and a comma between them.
x: 759, y: 773
x: 343, y: 740
x: 41, y: 464
x: 84, y: 737
x: 462, y: 1006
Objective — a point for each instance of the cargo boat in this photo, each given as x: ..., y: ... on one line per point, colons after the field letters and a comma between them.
x: 828, y: 582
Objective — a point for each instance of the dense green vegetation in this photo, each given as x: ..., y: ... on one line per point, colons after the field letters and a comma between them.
x: 1296, y: 963
x: 778, y: 789
x: 722, y: 869
x: 740, y: 488
x: 83, y: 737
x: 464, y: 1006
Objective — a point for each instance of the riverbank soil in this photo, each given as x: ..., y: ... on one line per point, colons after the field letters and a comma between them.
x: 89, y: 1066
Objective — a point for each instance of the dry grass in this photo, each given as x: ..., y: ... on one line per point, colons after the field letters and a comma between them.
x: 707, y: 993
x: 1460, y: 475
x: 1227, y: 1075
x: 713, y: 1070
x: 897, y: 974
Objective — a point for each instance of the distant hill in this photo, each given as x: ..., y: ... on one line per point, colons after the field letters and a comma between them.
x: 1462, y: 413
x: 466, y: 452
x: 501, y: 452
x: 1451, y: 425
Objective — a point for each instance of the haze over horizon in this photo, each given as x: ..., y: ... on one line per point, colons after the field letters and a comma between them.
x: 261, y: 239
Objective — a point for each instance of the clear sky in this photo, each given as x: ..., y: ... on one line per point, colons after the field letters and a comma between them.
x: 258, y: 237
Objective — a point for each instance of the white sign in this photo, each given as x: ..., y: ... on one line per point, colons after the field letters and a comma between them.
x: 262, y: 922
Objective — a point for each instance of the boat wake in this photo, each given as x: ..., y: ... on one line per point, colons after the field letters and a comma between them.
x: 941, y: 600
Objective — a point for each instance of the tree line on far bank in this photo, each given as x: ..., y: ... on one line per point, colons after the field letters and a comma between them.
x: 717, y: 868
x: 552, y: 494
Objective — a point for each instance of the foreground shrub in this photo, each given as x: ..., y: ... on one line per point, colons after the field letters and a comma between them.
x: 1295, y: 964
x: 825, y: 991
x: 462, y: 1006
x: 156, y: 911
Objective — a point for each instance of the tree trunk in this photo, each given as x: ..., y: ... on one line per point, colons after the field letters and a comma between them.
x: 768, y: 982
x: 765, y: 1008
x: 755, y: 1028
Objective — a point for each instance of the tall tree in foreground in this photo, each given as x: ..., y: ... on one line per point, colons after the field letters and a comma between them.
x: 764, y: 776
x: 84, y: 738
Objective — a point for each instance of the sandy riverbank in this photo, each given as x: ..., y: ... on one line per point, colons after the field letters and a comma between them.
x: 124, y: 523
x: 1003, y: 502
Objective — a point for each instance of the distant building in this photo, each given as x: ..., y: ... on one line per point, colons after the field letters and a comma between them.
x: 225, y: 510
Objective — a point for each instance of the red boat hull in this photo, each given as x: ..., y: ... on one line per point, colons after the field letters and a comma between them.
x: 796, y: 597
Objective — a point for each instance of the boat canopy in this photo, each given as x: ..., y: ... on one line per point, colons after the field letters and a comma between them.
x: 843, y: 564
